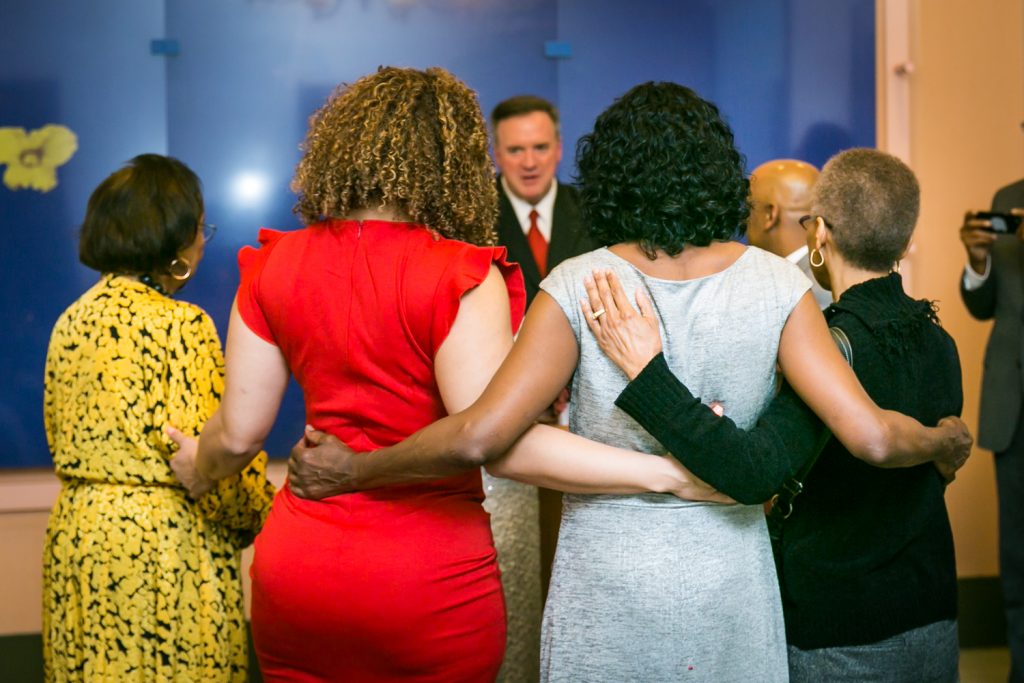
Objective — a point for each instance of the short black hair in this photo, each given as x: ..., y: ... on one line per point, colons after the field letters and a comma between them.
x: 520, y: 105
x: 661, y: 169
x: 871, y: 201
x: 141, y: 216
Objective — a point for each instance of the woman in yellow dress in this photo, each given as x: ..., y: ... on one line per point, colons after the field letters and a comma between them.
x: 140, y: 582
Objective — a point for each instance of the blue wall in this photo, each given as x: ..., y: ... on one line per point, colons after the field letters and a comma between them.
x: 794, y: 77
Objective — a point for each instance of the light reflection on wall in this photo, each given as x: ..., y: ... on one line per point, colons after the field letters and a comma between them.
x: 249, y: 190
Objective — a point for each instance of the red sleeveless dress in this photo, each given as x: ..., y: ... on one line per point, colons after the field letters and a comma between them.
x: 399, y: 583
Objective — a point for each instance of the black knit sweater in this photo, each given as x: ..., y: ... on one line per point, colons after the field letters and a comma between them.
x: 868, y: 552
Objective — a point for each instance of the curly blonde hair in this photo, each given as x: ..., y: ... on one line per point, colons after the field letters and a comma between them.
x: 403, y: 138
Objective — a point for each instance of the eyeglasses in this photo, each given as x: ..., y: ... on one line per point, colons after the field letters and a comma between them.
x: 209, y: 230
x: 806, y: 222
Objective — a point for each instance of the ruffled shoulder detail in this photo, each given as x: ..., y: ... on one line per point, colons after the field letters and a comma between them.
x: 248, y: 255
x: 468, y: 267
x: 250, y: 265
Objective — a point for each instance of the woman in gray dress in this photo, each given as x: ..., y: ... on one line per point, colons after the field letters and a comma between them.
x: 646, y: 586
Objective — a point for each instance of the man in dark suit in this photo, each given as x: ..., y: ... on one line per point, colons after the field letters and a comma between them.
x: 527, y: 149
x: 992, y: 287
x: 540, y: 225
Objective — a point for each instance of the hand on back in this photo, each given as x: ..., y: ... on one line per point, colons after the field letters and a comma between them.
x: 629, y: 337
x: 317, y: 466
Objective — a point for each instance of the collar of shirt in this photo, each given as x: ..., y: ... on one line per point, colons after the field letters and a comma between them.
x: 797, y: 255
x: 545, y: 209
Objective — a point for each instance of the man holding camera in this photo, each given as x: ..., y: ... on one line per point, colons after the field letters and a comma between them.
x: 992, y: 288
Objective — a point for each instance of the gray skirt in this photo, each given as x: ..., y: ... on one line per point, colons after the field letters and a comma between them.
x: 652, y: 588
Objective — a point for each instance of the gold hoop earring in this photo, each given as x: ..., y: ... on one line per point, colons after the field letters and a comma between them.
x: 820, y: 256
x: 178, y: 264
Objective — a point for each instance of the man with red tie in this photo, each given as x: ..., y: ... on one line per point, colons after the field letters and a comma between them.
x: 539, y: 221
x: 540, y: 225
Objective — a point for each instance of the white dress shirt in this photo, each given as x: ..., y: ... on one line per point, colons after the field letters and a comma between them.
x: 797, y: 255
x: 972, y: 280
x: 545, y: 209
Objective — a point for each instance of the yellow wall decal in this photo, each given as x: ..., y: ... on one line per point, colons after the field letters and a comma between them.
x: 32, y: 157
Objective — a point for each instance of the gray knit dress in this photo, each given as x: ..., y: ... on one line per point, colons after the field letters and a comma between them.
x: 650, y: 587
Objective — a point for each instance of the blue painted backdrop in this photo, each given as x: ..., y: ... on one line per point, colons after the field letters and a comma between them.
x: 794, y: 77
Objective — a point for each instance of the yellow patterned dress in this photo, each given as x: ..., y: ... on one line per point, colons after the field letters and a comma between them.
x: 140, y: 583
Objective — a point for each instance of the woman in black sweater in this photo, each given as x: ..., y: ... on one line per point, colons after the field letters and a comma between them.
x: 866, y: 559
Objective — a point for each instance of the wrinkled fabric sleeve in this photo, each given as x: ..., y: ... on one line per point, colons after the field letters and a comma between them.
x: 748, y: 466
x: 51, y: 377
x: 465, y: 271
x: 981, y: 299
x: 239, y: 503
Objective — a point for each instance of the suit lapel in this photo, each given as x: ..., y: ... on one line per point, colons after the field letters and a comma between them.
x: 510, y: 235
x: 566, y: 233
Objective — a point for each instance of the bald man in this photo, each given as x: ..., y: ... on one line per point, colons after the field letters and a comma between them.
x: 780, y: 193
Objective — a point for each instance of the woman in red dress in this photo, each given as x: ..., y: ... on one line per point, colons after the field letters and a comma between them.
x: 389, y: 317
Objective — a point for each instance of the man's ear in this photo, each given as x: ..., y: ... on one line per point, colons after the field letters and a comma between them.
x: 772, y: 216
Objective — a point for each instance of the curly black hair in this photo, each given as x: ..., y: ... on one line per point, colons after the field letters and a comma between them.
x: 660, y: 168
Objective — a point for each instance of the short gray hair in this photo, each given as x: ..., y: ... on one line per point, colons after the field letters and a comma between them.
x: 871, y: 200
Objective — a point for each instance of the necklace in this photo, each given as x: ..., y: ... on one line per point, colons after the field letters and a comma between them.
x: 148, y: 280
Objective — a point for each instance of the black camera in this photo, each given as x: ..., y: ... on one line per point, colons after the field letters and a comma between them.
x: 1001, y: 223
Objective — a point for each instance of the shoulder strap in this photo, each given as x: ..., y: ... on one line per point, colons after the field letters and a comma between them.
x: 843, y: 342
x: 782, y: 501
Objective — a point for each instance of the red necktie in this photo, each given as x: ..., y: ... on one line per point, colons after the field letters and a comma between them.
x: 538, y: 245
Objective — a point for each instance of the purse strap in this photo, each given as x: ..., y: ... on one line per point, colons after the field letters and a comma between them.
x: 843, y: 342
x: 782, y: 502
